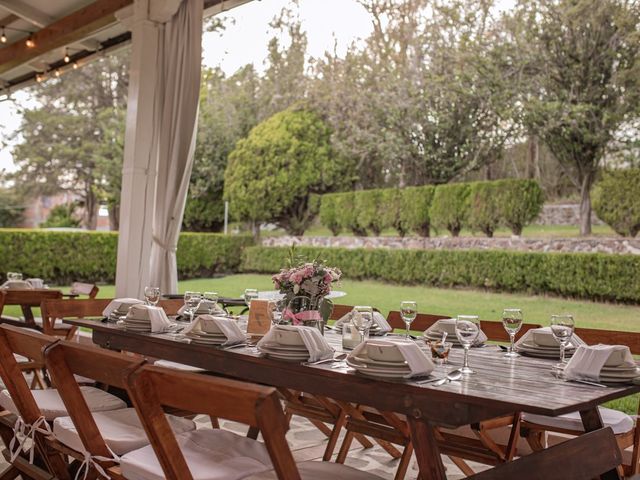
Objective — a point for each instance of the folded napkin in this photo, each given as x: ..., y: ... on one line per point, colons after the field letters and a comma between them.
x: 203, y: 308
x: 587, y: 361
x: 418, y: 362
x: 227, y: 326
x: 449, y: 325
x: 120, y: 305
x: 378, y: 319
x: 36, y: 282
x: 17, y: 285
x: 315, y: 343
x: 156, y: 316
x: 529, y: 337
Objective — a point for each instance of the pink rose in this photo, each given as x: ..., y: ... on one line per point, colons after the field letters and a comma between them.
x: 327, y: 278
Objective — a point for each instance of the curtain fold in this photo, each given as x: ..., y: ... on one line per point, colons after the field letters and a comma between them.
x: 179, y: 60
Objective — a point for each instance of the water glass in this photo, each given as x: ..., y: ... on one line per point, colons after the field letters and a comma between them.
x: 562, y: 327
x: 512, y: 321
x: 362, y: 318
x: 249, y: 295
x: 192, y: 302
x: 408, y: 312
x: 467, y: 331
x: 14, y: 276
x: 210, y: 300
x: 439, y: 351
x: 277, y: 307
x: 152, y: 295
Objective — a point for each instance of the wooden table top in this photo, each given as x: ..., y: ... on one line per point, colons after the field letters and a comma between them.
x: 499, y: 386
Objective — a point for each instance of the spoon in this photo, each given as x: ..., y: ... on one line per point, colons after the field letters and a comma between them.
x: 337, y: 358
x: 444, y: 337
x: 451, y: 377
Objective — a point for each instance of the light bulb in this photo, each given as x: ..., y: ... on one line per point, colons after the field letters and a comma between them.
x: 57, y: 73
x: 29, y: 42
x: 39, y: 78
x: 66, y: 56
x: 75, y: 65
x: 3, y: 37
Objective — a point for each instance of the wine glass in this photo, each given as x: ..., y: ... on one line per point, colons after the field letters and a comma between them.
x: 408, y: 312
x: 512, y: 322
x: 467, y: 331
x: 249, y: 295
x: 192, y: 302
x: 210, y: 300
x: 362, y: 319
x: 562, y: 327
x: 152, y: 295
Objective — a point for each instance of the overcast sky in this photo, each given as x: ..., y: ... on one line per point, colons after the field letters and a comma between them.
x: 245, y: 41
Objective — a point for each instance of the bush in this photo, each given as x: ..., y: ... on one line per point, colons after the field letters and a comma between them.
x: 582, y: 275
x: 390, y: 210
x: 414, y: 211
x: 521, y: 202
x: 328, y: 213
x: 63, y: 257
x: 62, y: 216
x: 367, y: 204
x: 616, y: 200
x: 450, y: 207
x: 347, y: 214
x: 484, y: 207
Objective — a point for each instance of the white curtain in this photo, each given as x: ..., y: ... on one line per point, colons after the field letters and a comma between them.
x: 179, y: 57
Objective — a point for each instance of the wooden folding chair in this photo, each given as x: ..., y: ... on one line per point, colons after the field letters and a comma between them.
x: 85, y: 430
x: 422, y: 321
x: 89, y: 289
x: 54, y: 311
x: 26, y: 299
x: 258, y: 406
x: 625, y: 427
x: 581, y: 458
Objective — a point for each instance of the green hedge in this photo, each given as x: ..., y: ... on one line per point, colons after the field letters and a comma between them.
x: 521, y: 202
x: 616, y: 200
x: 581, y: 275
x: 484, y: 207
x: 61, y: 257
x: 450, y: 207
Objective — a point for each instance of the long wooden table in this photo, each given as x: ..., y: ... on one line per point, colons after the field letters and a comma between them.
x: 499, y: 386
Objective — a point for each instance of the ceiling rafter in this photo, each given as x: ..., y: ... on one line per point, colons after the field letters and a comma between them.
x: 27, y: 12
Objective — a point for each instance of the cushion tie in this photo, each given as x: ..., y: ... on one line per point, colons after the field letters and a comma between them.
x: 92, y: 461
x: 22, y: 432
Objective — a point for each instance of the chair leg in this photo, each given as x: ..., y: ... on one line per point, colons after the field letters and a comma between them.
x: 214, y: 422
x: 333, y: 438
x: 362, y: 440
x: 462, y: 465
x: 322, y: 427
x: 389, y: 448
x: 404, y: 462
x: 10, y: 473
x: 535, y: 440
x: 344, y: 448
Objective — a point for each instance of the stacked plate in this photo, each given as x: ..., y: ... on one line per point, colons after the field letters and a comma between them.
x: 435, y: 336
x: 391, y: 368
x: 532, y: 349
x: 285, y: 345
x: 137, y: 325
x: 621, y: 374
x: 204, y: 338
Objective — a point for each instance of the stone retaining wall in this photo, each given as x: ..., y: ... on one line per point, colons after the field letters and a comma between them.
x: 567, y: 245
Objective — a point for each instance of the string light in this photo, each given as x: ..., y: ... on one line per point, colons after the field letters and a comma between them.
x: 57, y: 73
x: 39, y: 77
x: 3, y: 37
x: 67, y: 59
x: 29, y: 42
x: 75, y: 65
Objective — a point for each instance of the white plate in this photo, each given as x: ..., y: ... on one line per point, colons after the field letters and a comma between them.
x: 284, y: 348
x: 364, y: 358
x: 378, y: 368
x: 285, y: 355
x: 534, y: 346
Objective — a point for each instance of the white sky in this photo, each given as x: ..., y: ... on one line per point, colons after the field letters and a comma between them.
x: 244, y: 41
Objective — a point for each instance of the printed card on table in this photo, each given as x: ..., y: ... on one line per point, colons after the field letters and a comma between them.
x: 259, y: 317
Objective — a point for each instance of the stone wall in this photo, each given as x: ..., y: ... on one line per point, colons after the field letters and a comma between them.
x: 563, y: 214
x: 568, y: 245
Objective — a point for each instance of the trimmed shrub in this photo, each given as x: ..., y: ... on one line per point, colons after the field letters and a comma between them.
x: 616, y: 200
x: 63, y: 257
x: 581, y: 275
x: 484, y: 207
x: 521, y: 202
x: 414, y: 211
x: 367, y: 203
x: 347, y: 214
x: 390, y: 210
x: 450, y: 207
x: 328, y: 213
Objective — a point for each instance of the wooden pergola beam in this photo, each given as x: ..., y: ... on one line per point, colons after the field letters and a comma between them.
x: 69, y: 29
x: 8, y: 20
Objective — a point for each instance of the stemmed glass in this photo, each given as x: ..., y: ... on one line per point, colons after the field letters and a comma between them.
x: 362, y: 319
x: 467, y: 331
x: 512, y: 322
x: 210, y: 300
x: 408, y: 312
x: 192, y: 302
x: 562, y: 327
x: 152, y: 295
x: 249, y: 295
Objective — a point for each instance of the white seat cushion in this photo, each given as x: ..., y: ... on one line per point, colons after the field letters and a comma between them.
x: 618, y: 421
x: 321, y: 471
x: 52, y: 407
x: 177, y: 366
x: 121, y: 430
x: 210, y: 453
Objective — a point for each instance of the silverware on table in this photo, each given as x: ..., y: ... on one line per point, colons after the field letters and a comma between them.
x: 452, y: 376
x: 337, y: 358
x: 587, y: 382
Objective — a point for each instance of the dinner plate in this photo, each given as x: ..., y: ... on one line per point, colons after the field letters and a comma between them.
x: 206, y: 335
x: 284, y: 348
x: 364, y: 358
x: 372, y: 371
x: 534, y: 346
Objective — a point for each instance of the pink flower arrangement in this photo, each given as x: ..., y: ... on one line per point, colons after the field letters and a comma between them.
x: 309, y: 279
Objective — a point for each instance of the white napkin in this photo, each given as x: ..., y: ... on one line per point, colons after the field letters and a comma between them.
x: 17, y: 285
x: 227, y: 326
x: 156, y: 316
x: 202, y: 308
x: 116, y: 304
x: 449, y: 325
x: 587, y: 361
x: 316, y: 344
x: 36, y: 282
x: 419, y: 364
x: 576, y: 341
x: 378, y: 319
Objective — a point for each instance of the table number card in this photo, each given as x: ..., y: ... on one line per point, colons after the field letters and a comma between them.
x: 259, y: 317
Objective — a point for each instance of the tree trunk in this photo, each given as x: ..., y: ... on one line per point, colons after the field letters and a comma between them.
x: 585, y: 204
x: 533, y: 158
x: 114, y: 217
x: 91, y: 211
x: 255, y: 229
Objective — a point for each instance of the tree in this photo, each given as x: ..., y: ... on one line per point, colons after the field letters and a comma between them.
x: 62, y: 216
x: 578, y: 63
x: 273, y: 172
x: 11, y: 208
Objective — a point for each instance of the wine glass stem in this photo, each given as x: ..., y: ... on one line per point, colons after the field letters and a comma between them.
x: 512, y: 337
x: 408, y: 324
x: 562, y: 352
x: 466, y: 357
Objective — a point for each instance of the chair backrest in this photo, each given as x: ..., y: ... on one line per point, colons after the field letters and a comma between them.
x: 70, y: 308
x: 28, y: 298
x: 63, y: 360
x: 495, y: 330
x: 29, y: 344
x: 340, y: 311
x: 581, y: 458
x: 171, y: 306
x: 594, y: 336
x: 153, y: 387
x: 422, y: 321
x: 90, y: 289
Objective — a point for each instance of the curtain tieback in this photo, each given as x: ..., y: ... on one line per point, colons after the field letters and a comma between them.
x: 22, y: 432
x: 164, y: 245
x: 92, y: 461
